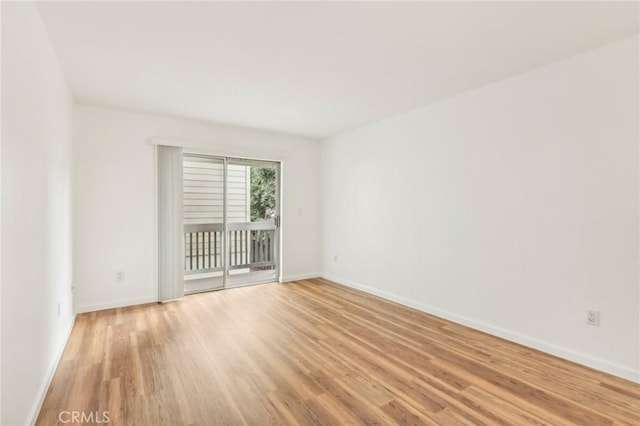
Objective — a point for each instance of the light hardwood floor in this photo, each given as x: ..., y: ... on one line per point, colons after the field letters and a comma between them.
x: 312, y: 352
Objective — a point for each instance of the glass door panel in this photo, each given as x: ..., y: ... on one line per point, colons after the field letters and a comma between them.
x: 253, y: 214
x: 203, y: 212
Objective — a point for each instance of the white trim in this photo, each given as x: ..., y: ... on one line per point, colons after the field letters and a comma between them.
x: 222, y: 150
x: 115, y: 304
x: 290, y: 278
x: 170, y: 300
x: 550, y: 348
x: 44, y: 387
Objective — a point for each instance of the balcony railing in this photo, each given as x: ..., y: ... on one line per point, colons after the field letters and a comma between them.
x: 251, y: 246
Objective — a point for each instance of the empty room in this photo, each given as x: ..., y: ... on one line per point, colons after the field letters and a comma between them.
x: 320, y: 213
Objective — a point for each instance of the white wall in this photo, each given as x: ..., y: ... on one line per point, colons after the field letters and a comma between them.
x: 512, y: 208
x: 36, y: 203
x: 114, y: 195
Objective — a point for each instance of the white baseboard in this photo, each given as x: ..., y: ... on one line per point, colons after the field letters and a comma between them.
x: 290, y: 278
x: 91, y: 307
x: 114, y: 304
x: 44, y: 387
x: 550, y: 348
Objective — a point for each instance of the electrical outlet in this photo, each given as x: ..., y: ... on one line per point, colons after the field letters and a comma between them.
x: 58, y: 309
x: 593, y: 318
x: 120, y: 276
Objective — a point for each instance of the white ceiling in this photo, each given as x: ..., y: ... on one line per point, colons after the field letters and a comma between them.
x: 313, y: 69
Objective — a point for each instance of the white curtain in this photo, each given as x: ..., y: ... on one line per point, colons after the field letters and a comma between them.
x: 170, y: 227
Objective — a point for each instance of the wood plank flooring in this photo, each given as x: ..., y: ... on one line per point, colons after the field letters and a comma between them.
x: 315, y: 353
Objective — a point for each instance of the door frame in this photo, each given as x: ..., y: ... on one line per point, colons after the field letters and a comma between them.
x: 225, y: 236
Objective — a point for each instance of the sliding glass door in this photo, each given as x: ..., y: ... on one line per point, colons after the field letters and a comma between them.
x: 231, y: 222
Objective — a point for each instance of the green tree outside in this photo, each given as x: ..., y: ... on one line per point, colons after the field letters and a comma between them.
x: 263, y: 193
